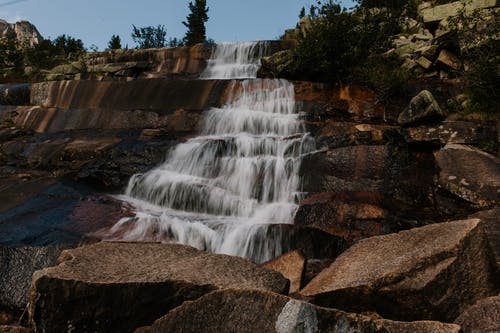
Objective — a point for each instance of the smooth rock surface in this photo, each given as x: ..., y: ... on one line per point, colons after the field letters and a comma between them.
x: 482, y: 317
x: 116, y: 287
x: 291, y: 265
x: 469, y: 174
x: 257, y: 311
x: 432, y: 272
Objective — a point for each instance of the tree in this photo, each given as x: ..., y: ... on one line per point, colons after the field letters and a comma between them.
x: 149, y: 37
x: 196, y: 23
x: 115, y: 43
x: 302, y: 13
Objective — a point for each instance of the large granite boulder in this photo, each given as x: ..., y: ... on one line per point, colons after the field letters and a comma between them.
x: 432, y: 272
x: 469, y: 174
x: 116, y: 287
x: 482, y: 317
x: 423, y: 107
x: 258, y: 311
x: 22, y: 31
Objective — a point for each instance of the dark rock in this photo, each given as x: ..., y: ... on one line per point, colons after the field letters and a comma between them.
x: 482, y: 317
x: 257, y: 311
x: 449, y: 60
x: 469, y: 174
x: 17, y: 265
x: 15, y: 329
x: 461, y: 132
x: 116, y: 287
x: 352, y: 216
x: 422, y: 108
x: 291, y: 265
x: 15, y: 94
x: 432, y: 272
x: 492, y: 229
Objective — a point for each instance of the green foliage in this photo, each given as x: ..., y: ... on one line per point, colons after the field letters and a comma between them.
x: 477, y: 36
x: 302, y: 13
x: 339, y: 41
x: 195, y: 22
x: 10, y: 55
x: 115, y: 43
x: 149, y: 37
x: 71, y: 47
x: 382, y: 75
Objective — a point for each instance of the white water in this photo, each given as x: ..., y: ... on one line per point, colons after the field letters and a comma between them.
x: 221, y: 190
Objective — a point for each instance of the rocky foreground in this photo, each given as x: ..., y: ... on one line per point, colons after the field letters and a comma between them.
x: 399, y: 231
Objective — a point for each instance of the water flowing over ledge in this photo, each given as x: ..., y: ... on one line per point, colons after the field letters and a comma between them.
x: 219, y: 191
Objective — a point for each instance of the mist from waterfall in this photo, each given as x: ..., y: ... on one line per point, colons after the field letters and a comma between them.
x: 220, y: 191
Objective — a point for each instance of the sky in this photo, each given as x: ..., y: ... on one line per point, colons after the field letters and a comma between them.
x: 95, y: 21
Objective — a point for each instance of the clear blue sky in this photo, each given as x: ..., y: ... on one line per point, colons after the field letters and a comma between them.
x: 94, y: 21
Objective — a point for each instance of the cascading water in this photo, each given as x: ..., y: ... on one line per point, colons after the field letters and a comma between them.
x: 221, y: 190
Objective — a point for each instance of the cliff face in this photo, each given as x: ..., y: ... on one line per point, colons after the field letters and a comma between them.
x: 23, y: 31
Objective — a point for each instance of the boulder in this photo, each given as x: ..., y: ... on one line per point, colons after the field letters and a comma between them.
x: 423, y: 107
x: 449, y: 60
x: 492, y: 229
x: 257, y: 311
x: 116, y: 287
x: 482, y: 317
x: 462, y: 132
x: 17, y: 265
x: 278, y: 65
x: 292, y: 266
x: 424, y: 62
x: 469, y: 174
x: 432, y: 272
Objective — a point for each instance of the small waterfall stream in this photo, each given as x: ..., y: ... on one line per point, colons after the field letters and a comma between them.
x: 221, y: 190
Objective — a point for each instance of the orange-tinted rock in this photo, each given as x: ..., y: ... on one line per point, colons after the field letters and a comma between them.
x: 432, y: 272
x: 351, y: 215
x: 291, y: 265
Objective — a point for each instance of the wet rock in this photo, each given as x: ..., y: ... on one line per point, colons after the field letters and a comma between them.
x: 15, y: 329
x: 151, y: 94
x: 423, y: 107
x: 482, y: 317
x: 17, y: 265
x: 462, y: 132
x: 469, y: 174
x: 142, y: 280
x: 291, y: 265
x: 449, y: 59
x: 257, y: 311
x: 432, y: 272
x: 351, y: 215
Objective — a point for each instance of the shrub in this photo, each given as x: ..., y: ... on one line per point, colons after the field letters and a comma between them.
x: 149, y: 37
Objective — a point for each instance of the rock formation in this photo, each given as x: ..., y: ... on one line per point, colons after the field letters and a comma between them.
x: 23, y: 31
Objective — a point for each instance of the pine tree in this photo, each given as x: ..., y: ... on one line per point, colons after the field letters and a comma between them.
x: 302, y: 13
x: 149, y: 37
x: 115, y: 43
x: 196, y: 23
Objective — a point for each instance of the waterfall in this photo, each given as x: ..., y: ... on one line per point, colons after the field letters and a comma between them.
x: 221, y: 190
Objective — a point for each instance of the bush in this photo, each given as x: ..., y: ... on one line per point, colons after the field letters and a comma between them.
x: 149, y: 37
x: 338, y: 41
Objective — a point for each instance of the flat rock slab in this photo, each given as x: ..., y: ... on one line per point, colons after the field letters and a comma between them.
x: 470, y: 174
x: 432, y: 272
x: 117, y: 287
x: 482, y: 317
x: 256, y: 311
x: 461, y: 132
